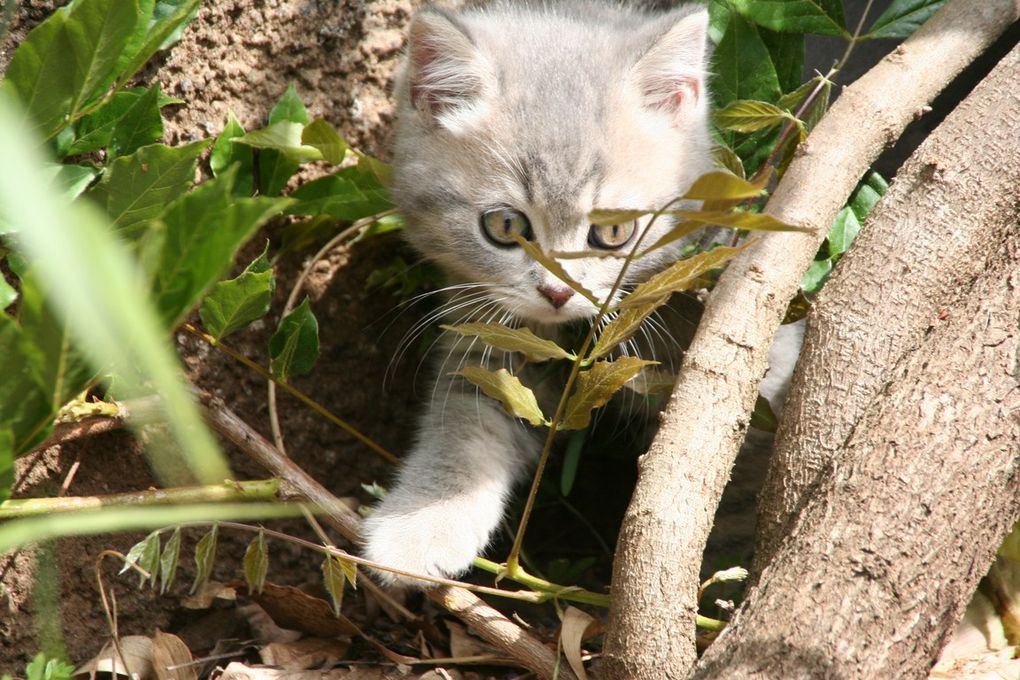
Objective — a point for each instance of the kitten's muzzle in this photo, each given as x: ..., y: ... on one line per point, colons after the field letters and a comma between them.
x: 556, y: 295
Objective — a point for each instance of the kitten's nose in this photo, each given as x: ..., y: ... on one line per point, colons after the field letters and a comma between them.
x: 557, y: 296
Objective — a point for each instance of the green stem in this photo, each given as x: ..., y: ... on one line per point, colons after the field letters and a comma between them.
x: 553, y: 590
x: 227, y: 492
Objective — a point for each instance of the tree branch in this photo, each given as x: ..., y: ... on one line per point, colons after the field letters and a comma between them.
x: 655, y: 574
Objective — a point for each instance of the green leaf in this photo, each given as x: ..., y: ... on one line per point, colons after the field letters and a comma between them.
x: 596, y: 386
x: 225, y: 154
x: 70, y: 58
x: 25, y: 409
x: 289, y: 108
x: 750, y: 116
x: 168, y: 561
x: 204, y: 229
x: 138, y: 187
x: 571, y: 460
x: 1010, y: 548
x: 610, y: 216
x: 6, y: 463
x: 843, y: 231
x: 96, y: 130
x: 7, y: 294
x: 719, y: 17
x: 678, y: 276
x: 763, y: 417
x: 234, y: 304
x: 902, y: 17
x: 517, y: 400
x: 719, y: 185
x: 556, y: 269
x: 728, y: 158
x: 513, y: 340
x: 824, y: 17
x: 623, y: 326
x: 867, y: 194
x: 72, y: 180
x: 285, y: 137
x: 275, y: 171
x: 165, y: 25
x: 349, y: 194
x: 256, y: 563
x: 294, y: 347
x: 743, y: 66
x: 815, y: 276
x: 739, y: 220
x: 141, y: 124
x: 787, y: 52
x: 333, y: 579
x: 205, y: 557
x: 326, y: 139
x: 145, y: 554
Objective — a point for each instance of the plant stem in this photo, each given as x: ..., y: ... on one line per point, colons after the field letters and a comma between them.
x: 228, y: 491
x: 301, y: 396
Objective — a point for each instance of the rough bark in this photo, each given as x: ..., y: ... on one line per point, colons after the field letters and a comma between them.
x: 680, y: 481
x: 925, y: 240
x: 886, y: 554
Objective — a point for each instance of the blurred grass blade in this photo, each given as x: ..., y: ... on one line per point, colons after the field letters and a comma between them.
x: 92, y: 281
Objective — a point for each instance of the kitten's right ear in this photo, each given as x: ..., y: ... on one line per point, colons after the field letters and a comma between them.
x: 446, y: 75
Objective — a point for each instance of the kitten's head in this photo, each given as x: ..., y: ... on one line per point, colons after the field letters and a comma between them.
x: 521, y: 121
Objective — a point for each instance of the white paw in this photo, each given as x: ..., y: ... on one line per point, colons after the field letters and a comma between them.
x: 439, y: 539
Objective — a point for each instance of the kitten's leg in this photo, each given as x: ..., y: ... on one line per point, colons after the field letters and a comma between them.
x: 452, y: 488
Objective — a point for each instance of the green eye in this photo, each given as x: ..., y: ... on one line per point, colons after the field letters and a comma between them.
x: 501, y: 226
x: 611, y: 236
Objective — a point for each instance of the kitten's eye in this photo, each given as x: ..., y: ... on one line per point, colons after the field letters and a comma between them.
x: 611, y: 236
x: 502, y: 224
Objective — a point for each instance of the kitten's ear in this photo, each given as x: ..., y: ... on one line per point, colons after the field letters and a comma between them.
x: 445, y: 72
x: 671, y: 72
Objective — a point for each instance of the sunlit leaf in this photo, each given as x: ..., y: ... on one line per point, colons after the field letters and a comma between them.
x: 739, y: 220
x: 72, y: 180
x: 902, y: 17
x: 167, y: 21
x: 324, y: 137
x: 225, y: 154
x: 824, y: 17
x: 867, y: 194
x: 513, y: 340
x: 518, y: 400
x: 233, y: 304
x: 678, y: 276
x: 284, y: 137
x: 750, y: 116
x: 334, y: 580
x: 843, y: 231
x: 720, y: 185
x: 815, y: 276
x: 727, y: 158
x: 348, y: 194
x: 621, y: 328
x: 138, y: 187
x: 294, y: 347
x: 556, y: 269
x: 289, y: 108
x: 168, y: 560
x: 205, y: 557
x: 256, y: 563
x: 141, y: 124
x: 608, y: 217
x: 133, y: 113
x: 145, y: 554
x: 596, y: 386
x: 679, y: 231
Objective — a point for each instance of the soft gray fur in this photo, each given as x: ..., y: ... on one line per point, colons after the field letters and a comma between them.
x: 552, y: 110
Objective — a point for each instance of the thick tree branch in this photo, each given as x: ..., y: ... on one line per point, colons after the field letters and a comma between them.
x: 887, y: 552
x: 682, y: 475
x: 925, y: 242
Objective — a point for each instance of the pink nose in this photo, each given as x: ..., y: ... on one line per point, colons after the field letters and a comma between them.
x: 556, y: 296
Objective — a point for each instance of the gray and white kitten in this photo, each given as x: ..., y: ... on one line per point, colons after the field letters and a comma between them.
x: 522, y: 120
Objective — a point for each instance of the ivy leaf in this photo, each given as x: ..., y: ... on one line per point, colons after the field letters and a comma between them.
x: 750, y: 116
x: 902, y: 17
x: 517, y: 400
x: 625, y: 324
x: 596, y: 386
x: 326, y: 139
x: 145, y: 554
x: 205, y: 557
x: 294, y: 347
x: 69, y: 58
x: 138, y: 187
x: 225, y: 154
x: 284, y: 137
x: 256, y: 563
x: 168, y: 561
x: 513, y: 340
x: 289, y: 108
x: 678, y: 277
x: 204, y: 229
x: 234, y: 304
x: 824, y: 17
x: 556, y: 269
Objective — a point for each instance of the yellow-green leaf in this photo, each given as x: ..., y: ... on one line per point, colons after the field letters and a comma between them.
x: 1010, y: 548
x: 652, y: 380
x: 678, y: 277
x: 168, y: 561
x: 333, y: 577
x: 555, y: 268
x: 750, y: 116
x: 145, y: 554
x: 739, y: 220
x: 513, y: 340
x: 256, y: 563
x: 721, y: 185
x: 205, y: 557
x: 728, y: 158
x: 518, y: 400
x: 326, y: 139
x: 682, y: 229
x: 606, y: 217
x: 285, y: 137
x: 625, y: 324
x: 596, y: 386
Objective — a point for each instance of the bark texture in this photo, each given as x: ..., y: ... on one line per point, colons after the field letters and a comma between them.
x: 887, y: 553
x: 925, y: 241
x: 681, y: 477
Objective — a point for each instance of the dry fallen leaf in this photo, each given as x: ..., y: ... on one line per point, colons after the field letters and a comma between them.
x: 575, y: 623
x: 294, y: 609
x: 239, y: 671
x: 171, y: 658
x: 305, y: 654
x: 137, y: 650
x: 207, y: 594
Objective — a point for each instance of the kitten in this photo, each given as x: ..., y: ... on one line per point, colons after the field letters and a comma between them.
x: 519, y: 120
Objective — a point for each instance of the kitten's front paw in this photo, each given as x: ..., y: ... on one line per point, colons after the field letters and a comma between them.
x: 437, y: 540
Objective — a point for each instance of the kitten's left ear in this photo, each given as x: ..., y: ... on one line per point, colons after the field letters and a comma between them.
x: 671, y: 72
